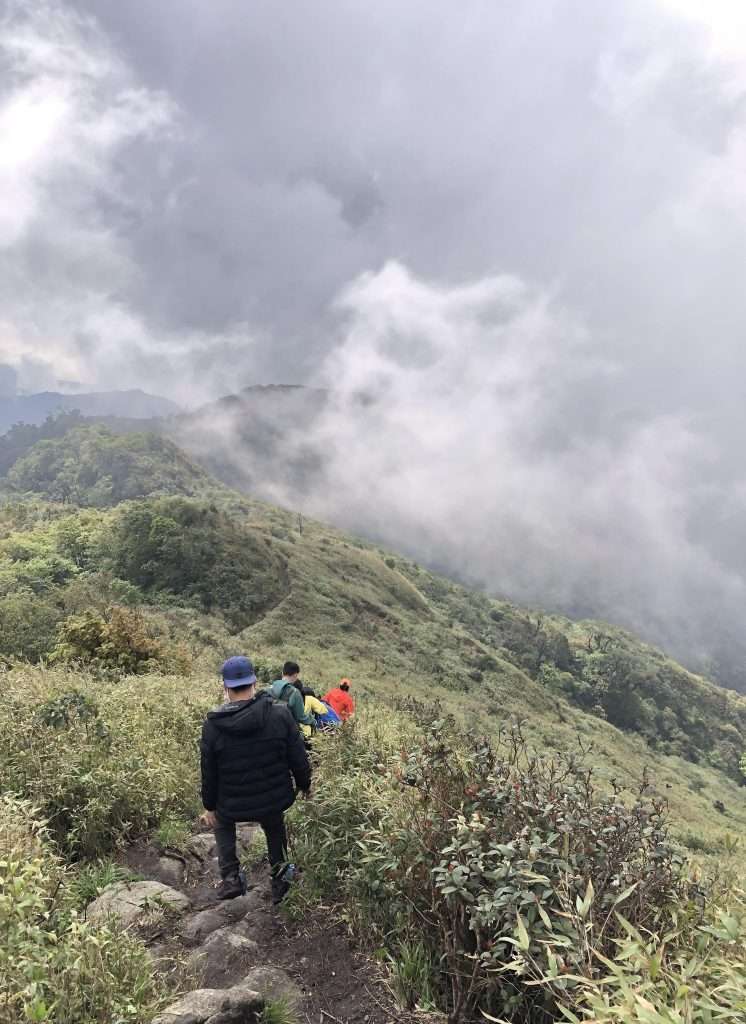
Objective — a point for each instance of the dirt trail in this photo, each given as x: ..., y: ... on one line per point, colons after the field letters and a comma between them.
x: 334, y: 982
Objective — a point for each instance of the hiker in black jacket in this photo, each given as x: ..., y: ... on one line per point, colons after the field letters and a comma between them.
x: 252, y: 750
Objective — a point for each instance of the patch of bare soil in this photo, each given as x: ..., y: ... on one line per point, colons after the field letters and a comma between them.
x: 341, y: 984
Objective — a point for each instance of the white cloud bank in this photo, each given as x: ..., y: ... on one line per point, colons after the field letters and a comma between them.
x: 72, y: 113
x: 466, y: 456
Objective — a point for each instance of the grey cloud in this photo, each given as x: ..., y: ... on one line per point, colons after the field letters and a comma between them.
x: 457, y: 455
x: 8, y: 381
x: 534, y: 138
x: 227, y: 169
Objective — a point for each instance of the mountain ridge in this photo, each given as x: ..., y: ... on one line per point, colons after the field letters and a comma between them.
x: 133, y: 403
x: 391, y: 608
x: 496, y: 751
x: 262, y: 442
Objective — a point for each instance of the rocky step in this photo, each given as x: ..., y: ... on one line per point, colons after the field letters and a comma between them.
x: 132, y: 904
x: 240, y: 1004
x: 224, y: 958
x: 237, y: 1005
x: 195, y: 928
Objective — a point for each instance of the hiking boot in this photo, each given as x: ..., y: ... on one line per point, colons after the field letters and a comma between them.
x: 281, y: 882
x: 280, y: 889
x: 231, y: 887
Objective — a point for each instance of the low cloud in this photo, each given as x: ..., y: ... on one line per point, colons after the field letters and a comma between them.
x: 471, y: 451
x: 510, y: 237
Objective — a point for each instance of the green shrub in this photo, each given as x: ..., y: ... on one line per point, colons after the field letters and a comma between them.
x: 101, y: 767
x: 172, y: 832
x: 191, y: 551
x: 486, y: 663
x: 92, y: 466
x: 412, y: 973
x: 694, y: 972
x: 118, y: 641
x: 87, y: 881
x: 55, y: 967
x: 28, y: 625
x: 511, y: 878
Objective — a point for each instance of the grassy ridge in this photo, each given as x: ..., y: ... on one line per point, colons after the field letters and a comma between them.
x: 203, y: 577
x: 115, y: 616
x: 206, y: 550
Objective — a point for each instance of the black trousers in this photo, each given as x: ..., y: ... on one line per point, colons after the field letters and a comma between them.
x: 274, y: 832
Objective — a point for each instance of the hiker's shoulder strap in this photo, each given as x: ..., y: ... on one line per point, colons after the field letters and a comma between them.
x: 285, y: 693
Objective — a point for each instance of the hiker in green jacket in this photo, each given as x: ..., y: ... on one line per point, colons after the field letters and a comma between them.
x: 285, y: 690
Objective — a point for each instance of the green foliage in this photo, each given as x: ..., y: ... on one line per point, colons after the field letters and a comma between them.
x: 255, y: 852
x: 87, y: 881
x: 91, y: 466
x: 172, y: 832
x: 102, y: 767
x: 695, y: 972
x: 509, y: 879
x: 606, y: 673
x: 54, y: 966
x: 278, y: 1011
x: 412, y: 973
x: 88, y: 565
x: 197, y: 553
x: 71, y: 709
x: 28, y: 625
x: 21, y: 437
x: 116, y: 641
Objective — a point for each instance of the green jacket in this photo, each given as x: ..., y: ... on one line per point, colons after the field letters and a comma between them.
x: 286, y: 692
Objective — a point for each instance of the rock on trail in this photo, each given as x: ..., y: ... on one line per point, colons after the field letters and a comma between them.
x: 132, y: 902
x: 236, y: 1005
x: 240, y: 955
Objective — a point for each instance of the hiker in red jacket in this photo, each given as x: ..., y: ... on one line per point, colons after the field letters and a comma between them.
x: 339, y: 698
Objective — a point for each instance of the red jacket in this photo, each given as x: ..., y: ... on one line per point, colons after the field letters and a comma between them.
x: 341, y: 701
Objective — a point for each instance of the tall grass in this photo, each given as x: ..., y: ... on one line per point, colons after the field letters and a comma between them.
x: 54, y: 966
x: 102, y: 761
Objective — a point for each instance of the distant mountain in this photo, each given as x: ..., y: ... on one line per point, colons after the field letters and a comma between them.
x: 34, y: 409
x: 256, y: 440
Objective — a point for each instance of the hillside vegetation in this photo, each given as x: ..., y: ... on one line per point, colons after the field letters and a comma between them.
x: 481, y: 726
x: 217, y: 554
x: 92, y: 466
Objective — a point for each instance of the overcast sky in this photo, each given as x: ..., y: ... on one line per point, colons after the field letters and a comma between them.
x: 184, y: 176
x: 196, y: 196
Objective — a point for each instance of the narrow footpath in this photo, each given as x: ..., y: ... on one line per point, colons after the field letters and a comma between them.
x: 225, y: 953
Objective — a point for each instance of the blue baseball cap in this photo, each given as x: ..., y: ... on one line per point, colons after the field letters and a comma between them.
x: 238, y: 671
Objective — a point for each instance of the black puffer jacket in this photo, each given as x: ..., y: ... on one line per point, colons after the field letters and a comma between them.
x: 251, y: 752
